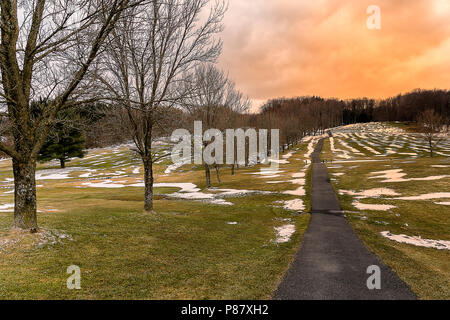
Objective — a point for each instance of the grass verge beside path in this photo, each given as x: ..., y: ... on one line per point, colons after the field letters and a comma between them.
x: 185, y: 250
x: 425, y: 270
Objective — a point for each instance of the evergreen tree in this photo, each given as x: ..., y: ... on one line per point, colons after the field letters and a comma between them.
x: 67, y: 139
x: 63, y: 144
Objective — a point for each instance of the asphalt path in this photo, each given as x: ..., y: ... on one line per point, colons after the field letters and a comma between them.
x: 332, y: 262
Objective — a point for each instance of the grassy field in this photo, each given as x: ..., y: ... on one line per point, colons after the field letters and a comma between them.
x: 93, y: 217
x: 222, y: 242
x: 425, y: 270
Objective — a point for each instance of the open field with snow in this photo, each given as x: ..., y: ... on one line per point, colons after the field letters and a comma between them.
x: 231, y: 241
x: 397, y: 198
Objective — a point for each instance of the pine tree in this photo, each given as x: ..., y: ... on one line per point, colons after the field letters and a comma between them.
x: 67, y: 139
x: 63, y: 145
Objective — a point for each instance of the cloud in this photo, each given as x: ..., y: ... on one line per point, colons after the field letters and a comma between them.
x: 276, y: 48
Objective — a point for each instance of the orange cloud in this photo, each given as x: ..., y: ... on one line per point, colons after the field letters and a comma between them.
x: 276, y: 48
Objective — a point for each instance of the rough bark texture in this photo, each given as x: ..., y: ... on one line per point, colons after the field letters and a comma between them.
x: 207, y: 176
x: 25, y: 195
x: 430, y: 142
x: 217, y: 173
x: 148, y: 182
x: 29, y: 40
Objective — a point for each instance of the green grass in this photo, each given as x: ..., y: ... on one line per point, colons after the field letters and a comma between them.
x: 425, y: 270
x: 407, y: 126
x: 185, y: 250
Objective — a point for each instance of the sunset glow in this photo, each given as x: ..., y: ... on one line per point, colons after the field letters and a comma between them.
x: 288, y: 48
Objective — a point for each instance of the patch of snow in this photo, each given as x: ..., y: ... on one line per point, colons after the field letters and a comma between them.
x: 190, y: 191
x: 299, y: 175
x: 175, y: 166
x: 310, y: 148
x: 398, y: 174
x: 287, y: 156
x: 269, y: 177
x: 300, y: 191
x: 371, y: 193
x: 340, y: 153
x: 282, y: 161
x: 8, y: 207
x: 428, y: 196
x: 52, y: 237
x: 267, y: 172
x: 136, y: 170
x: 105, y: 184
x: 373, y: 207
x: 346, y: 145
x: 418, y: 241
x: 370, y: 149
x: 235, y: 192
x: 222, y: 202
x: 443, y: 203
x: 85, y: 175
x: 55, y: 176
x: 284, y: 233
x: 356, y: 161
x: 296, y: 205
x: 335, y: 167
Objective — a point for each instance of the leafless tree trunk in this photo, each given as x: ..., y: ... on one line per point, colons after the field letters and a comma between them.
x: 148, y: 182
x: 432, y: 126
x: 213, y: 100
x: 216, y: 166
x: 25, y: 194
x: 207, y: 175
x: 46, y: 49
x: 150, y: 55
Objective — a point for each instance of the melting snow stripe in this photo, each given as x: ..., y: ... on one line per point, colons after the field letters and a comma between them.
x: 417, y: 241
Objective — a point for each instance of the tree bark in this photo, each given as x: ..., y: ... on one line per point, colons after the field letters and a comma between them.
x: 207, y: 176
x: 431, y: 148
x: 63, y: 163
x: 25, y: 195
x: 217, y: 173
x: 148, y: 182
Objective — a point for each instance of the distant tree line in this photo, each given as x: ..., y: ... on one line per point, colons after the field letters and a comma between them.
x: 295, y: 117
x: 408, y: 106
x: 302, y: 116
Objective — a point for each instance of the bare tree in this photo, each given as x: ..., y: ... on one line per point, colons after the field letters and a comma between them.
x: 47, y: 48
x: 149, y: 55
x: 216, y: 102
x: 432, y: 126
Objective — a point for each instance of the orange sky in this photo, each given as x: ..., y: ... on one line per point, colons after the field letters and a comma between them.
x: 275, y: 48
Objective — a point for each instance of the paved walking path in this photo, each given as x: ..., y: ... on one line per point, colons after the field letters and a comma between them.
x: 332, y: 261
